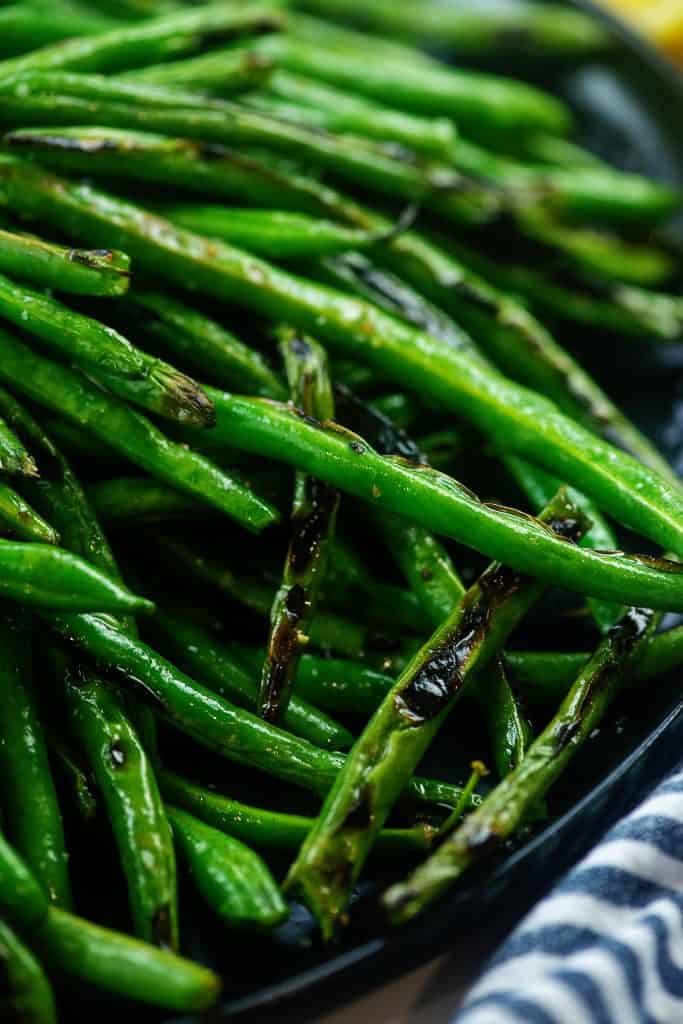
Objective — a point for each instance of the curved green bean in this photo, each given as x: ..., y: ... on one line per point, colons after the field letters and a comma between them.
x: 31, y: 812
x: 233, y: 879
x: 129, y: 792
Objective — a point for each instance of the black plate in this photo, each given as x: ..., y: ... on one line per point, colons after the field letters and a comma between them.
x: 629, y: 111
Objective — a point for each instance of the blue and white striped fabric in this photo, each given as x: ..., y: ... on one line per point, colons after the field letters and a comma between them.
x: 606, y: 945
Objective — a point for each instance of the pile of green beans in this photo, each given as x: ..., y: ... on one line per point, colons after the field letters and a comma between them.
x: 316, y: 301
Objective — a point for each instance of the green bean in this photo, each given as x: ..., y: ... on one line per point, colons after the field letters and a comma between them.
x: 328, y: 631
x: 510, y: 803
x: 519, y: 29
x: 57, y: 98
x: 31, y: 811
x: 215, y: 171
x: 211, y: 720
x: 82, y: 271
x: 312, y: 526
x: 440, y: 504
x: 118, y: 963
x: 106, y: 354
x: 14, y: 458
x: 48, y: 577
x: 205, y: 345
x: 278, y: 235
x: 150, y: 41
x: 600, y: 194
x: 529, y: 424
x: 406, y: 722
x: 225, y: 72
x: 22, y: 521
x: 26, y: 995
x: 484, y: 105
x: 129, y: 792
x: 274, y: 830
x: 63, y: 391
x: 312, y: 103
x: 197, y: 651
x: 233, y: 879
x: 79, y: 337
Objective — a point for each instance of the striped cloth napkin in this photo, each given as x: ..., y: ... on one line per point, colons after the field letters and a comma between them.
x: 606, y: 945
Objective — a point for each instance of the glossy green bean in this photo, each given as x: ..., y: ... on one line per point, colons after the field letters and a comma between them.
x: 106, y: 355
x: 195, y: 650
x: 22, y: 521
x: 78, y: 337
x: 14, y: 458
x: 218, y: 172
x: 149, y: 41
x: 440, y: 504
x: 128, y: 789
x: 312, y: 526
x: 26, y: 996
x: 528, y: 423
x: 211, y: 720
x: 510, y: 803
x: 406, y: 722
x: 277, y: 235
x: 31, y: 812
x: 233, y: 879
x: 64, y: 391
x: 48, y: 577
x: 82, y: 271
x: 275, y: 830
x: 118, y: 963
